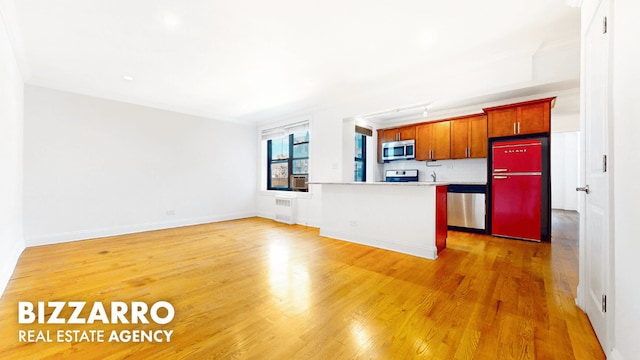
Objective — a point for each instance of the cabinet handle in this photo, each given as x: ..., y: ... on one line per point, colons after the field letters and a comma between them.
x: 514, y: 128
x: 431, y: 155
x: 518, y: 127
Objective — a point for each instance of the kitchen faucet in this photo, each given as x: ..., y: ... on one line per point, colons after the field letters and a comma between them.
x: 433, y: 175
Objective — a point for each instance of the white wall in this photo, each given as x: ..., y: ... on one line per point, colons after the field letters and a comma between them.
x: 11, y: 138
x: 626, y: 172
x: 565, y: 164
x: 96, y: 167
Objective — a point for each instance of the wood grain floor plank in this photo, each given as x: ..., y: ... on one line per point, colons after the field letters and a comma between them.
x: 257, y: 289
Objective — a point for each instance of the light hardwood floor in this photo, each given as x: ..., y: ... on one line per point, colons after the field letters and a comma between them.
x: 257, y: 289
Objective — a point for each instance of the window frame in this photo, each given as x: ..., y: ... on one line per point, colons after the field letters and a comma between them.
x: 363, y: 159
x: 289, y: 161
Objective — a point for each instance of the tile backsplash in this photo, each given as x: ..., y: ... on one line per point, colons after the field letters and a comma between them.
x: 460, y: 170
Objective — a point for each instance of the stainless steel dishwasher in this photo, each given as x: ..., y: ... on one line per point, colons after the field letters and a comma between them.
x: 466, y: 207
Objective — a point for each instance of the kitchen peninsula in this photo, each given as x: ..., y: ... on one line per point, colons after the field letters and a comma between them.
x: 409, y: 217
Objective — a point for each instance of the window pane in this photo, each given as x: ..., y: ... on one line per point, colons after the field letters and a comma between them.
x: 301, y: 137
x: 359, y: 138
x: 280, y: 175
x: 359, y: 171
x: 280, y: 148
x: 301, y: 151
x: 301, y: 166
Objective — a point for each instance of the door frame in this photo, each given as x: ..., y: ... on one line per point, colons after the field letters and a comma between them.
x: 589, y: 11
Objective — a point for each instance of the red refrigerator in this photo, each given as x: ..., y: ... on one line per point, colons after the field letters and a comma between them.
x: 517, y: 189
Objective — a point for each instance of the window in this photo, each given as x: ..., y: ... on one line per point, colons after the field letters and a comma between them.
x: 287, y: 155
x: 360, y: 171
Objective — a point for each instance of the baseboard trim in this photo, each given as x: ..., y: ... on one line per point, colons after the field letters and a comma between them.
x: 615, y: 355
x: 130, y: 229
x: 423, y: 252
x: 8, y: 266
x: 303, y: 222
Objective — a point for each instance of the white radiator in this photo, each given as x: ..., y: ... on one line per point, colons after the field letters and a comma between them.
x: 286, y: 209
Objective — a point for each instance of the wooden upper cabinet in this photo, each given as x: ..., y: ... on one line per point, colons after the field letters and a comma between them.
x: 478, y: 136
x: 531, y: 117
x: 469, y: 137
x: 534, y: 118
x: 407, y: 132
x: 459, y: 138
x: 389, y: 135
x: 442, y: 140
x: 398, y: 134
x: 424, y: 140
x: 433, y: 141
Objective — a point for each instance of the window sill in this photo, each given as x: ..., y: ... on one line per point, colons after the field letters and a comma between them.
x: 293, y: 194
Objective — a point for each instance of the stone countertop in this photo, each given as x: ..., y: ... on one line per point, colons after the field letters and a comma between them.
x: 383, y: 183
x: 411, y: 183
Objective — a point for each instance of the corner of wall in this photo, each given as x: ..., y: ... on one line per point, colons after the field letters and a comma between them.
x: 11, y: 163
x: 615, y: 355
x: 8, y: 266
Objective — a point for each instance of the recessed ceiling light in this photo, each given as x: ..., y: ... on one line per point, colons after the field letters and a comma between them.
x: 127, y: 77
x: 171, y: 20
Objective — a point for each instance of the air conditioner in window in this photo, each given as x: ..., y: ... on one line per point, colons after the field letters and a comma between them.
x: 299, y: 182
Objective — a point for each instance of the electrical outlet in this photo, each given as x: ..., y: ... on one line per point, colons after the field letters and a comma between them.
x: 171, y: 212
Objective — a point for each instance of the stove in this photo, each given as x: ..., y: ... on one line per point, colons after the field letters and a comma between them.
x: 401, y: 175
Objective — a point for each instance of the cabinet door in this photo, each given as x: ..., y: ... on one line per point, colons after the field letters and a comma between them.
x: 534, y: 118
x: 478, y: 137
x: 390, y: 135
x: 407, y: 132
x: 502, y: 122
x: 441, y: 140
x: 424, y: 135
x: 459, y: 138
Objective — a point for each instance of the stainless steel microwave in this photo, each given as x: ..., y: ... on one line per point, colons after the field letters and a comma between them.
x: 399, y: 150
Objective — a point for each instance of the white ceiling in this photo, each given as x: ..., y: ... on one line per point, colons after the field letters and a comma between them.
x: 251, y: 60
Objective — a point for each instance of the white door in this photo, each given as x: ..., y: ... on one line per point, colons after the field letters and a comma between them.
x: 595, y: 263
